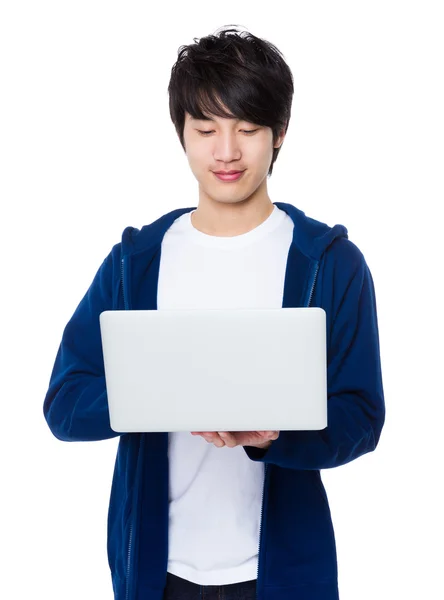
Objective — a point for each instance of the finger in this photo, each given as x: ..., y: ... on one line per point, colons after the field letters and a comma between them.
x: 205, y: 434
x: 229, y: 439
x: 212, y: 437
x: 268, y: 434
x: 217, y: 440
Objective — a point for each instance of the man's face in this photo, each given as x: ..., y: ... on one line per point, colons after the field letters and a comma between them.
x: 225, y: 145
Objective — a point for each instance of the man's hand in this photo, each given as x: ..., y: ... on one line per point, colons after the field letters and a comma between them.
x: 258, y: 439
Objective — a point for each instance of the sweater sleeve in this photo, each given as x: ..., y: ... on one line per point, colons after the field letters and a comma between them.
x: 355, y: 398
x: 76, y: 405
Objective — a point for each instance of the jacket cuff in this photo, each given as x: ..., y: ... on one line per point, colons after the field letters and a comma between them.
x: 258, y: 454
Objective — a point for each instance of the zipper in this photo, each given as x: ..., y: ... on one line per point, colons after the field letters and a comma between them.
x: 128, y: 564
x: 314, y: 281
x: 267, y: 464
x: 129, y: 558
x: 260, y: 528
x: 123, y: 286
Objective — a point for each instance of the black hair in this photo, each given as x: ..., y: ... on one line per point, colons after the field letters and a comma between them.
x: 247, y: 74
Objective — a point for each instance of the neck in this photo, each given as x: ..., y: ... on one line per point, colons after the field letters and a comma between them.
x: 230, y: 219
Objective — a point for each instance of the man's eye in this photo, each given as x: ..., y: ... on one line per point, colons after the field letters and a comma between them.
x: 204, y: 133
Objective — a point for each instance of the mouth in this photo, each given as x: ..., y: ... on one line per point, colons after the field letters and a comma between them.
x: 229, y: 176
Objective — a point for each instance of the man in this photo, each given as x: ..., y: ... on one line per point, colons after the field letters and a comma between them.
x: 227, y: 514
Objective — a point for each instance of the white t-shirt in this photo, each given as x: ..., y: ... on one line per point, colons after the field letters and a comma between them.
x: 215, y: 494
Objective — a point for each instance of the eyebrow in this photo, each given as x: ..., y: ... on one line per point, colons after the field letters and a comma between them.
x: 212, y: 120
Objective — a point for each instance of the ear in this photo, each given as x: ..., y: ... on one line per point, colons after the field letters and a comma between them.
x: 280, y: 139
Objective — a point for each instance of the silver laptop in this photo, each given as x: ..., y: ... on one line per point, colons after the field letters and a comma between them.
x: 216, y: 369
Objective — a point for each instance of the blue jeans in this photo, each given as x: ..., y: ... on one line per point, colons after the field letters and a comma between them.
x: 182, y: 589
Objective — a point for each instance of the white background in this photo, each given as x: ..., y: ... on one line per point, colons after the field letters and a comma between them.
x: 87, y: 148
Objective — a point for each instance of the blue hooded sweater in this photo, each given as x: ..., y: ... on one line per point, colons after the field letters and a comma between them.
x: 297, y: 551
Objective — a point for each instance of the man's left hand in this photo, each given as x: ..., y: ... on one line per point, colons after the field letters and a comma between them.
x: 257, y: 439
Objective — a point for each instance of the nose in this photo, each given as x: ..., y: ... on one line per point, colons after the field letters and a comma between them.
x: 227, y: 149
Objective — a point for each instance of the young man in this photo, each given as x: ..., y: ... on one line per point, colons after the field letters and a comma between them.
x: 241, y: 514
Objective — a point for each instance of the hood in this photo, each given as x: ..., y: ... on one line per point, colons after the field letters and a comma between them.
x: 312, y: 237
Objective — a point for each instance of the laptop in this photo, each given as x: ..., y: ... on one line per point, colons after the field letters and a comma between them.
x: 215, y: 369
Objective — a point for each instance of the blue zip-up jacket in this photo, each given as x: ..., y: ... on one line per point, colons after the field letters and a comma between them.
x: 297, y: 551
